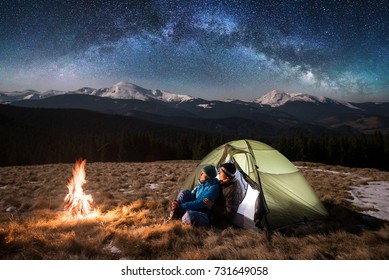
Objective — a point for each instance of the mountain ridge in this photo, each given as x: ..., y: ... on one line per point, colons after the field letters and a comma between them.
x: 277, y: 98
x: 120, y: 90
x: 275, y: 109
x: 127, y: 90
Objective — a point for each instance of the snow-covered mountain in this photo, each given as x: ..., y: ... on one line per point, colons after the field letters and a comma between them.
x: 9, y: 97
x: 121, y: 90
x: 87, y: 90
x: 276, y: 109
x: 277, y: 98
x: 125, y: 90
x: 170, y: 97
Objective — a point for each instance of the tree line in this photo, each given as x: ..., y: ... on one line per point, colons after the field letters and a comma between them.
x: 61, y: 136
x: 40, y: 147
x: 21, y: 148
x: 362, y: 150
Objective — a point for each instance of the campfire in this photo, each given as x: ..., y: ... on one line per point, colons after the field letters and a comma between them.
x: 76, y: 202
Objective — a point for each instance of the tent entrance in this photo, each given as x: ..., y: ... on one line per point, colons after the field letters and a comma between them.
x: 249, y: 215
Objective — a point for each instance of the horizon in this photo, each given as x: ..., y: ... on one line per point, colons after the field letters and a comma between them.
x: 205, y: 98
x: 213, y: 49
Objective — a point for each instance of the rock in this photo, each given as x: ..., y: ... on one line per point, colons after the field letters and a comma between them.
x: 10, y: 209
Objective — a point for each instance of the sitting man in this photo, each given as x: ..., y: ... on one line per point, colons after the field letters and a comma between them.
x: 189, y: 205
x: 225, y: 206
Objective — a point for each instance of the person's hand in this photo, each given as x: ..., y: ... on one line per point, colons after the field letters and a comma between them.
x: 208, y: 203
x: 175, y: 205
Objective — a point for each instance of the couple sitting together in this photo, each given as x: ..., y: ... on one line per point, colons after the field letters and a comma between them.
x: 213, y: 199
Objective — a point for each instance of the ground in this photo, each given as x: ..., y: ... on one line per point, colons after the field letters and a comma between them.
x: 132, y: 202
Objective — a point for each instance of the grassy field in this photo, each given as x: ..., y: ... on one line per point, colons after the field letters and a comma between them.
x: 133, y: 201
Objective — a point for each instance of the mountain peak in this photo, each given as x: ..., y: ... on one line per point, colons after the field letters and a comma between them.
x: 277, y: 98
x: 126, y: 90
x: 170, y: 97
x: 86, y: 90
x: 274, y: 98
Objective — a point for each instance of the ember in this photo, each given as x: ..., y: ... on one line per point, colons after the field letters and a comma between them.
x: 77, y: 202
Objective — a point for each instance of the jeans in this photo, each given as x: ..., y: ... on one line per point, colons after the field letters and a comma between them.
x: 196, y: 218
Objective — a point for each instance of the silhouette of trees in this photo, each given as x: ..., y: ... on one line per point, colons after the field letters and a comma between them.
x: 38, y: 136
x: 355, y: 151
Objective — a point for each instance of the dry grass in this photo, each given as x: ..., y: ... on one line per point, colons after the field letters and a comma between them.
x: 130, y: 223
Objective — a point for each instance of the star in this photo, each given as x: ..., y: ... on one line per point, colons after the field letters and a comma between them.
x: 211, y: 49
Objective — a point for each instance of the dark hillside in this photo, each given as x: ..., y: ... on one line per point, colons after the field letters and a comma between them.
x: 36, y: 136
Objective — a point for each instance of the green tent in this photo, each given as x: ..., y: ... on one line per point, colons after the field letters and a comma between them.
x: 275, y: 193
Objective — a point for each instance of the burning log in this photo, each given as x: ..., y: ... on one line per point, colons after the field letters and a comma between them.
x: 76, y: 201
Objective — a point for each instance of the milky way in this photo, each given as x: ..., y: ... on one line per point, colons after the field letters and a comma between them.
x: 210, y: 49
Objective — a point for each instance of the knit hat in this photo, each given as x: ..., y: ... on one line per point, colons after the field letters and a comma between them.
x: 229, y: 169
x: 210, y: 170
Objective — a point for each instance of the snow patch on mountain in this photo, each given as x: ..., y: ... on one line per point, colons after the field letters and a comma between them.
x: 206, y: 105
x: 33, y: 96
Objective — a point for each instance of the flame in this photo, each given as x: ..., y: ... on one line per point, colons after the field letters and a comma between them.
x: 76, y: 201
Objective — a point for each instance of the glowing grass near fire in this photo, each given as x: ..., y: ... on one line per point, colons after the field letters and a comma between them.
x: 77, y: 203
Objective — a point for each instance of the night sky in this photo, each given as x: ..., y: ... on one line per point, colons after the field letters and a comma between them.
x: 209, y: 49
